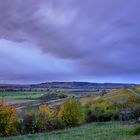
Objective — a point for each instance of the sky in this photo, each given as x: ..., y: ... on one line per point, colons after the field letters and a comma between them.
x: 69, y: 40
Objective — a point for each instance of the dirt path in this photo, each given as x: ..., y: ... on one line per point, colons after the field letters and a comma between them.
x: 39, y: 102
x: 35, y: 104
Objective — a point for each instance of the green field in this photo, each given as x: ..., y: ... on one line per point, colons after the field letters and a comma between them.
x: 95, y: 131
x: 20, y: 94
x: 30, y: 94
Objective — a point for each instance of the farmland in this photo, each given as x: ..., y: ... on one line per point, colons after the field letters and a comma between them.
x: 98, y: 106
x: 29, y: 96
x: 20, y: 94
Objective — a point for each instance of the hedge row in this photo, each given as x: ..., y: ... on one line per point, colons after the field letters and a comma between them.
x: 70, y: 113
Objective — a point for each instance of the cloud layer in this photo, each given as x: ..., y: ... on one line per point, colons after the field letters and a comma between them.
x: 92, y: 40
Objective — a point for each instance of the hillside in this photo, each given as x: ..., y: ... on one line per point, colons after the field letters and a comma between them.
x: 98, y: 131
x: 136, y: 87
x: 81, y: 85
x: 65, y: 85
x: 120, y: 96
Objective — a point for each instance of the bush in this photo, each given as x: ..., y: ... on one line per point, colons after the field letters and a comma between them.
x: 101, y: 111
x: 57, y: 124
x: 62, y: 96
x: 29, y: 122
x: 8, y: 120
x: 46, y: 112
x: 71, y: 112
x: 45, y: 118
x: 38, y: 121
x: 135, y: 131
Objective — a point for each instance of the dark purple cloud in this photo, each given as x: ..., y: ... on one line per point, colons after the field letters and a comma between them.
x: 95, y: 40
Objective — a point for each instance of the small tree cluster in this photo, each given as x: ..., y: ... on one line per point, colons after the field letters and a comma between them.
x: 38, y: 121
x: 8, y: 119
x: 71, y: 112
x: 100, y: 110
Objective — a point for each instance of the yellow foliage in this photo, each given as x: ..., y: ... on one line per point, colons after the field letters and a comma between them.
x: 71, y: 112
x: 45, y: 111
x: 8, y: 119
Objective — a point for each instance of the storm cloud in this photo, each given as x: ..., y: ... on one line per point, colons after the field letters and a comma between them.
x: 47, y: 40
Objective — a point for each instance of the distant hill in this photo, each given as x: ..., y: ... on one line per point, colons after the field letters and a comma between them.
x: 81, y: 85
x: 69, y: 85
x: 12, y: 87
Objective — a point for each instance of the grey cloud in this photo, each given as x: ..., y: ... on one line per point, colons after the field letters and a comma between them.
x: 101, y: 37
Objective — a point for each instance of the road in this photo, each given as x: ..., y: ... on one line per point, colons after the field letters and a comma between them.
x: 19, y: 108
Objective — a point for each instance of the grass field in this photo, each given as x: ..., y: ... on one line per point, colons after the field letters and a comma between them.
x: 136, y: 89
x: 95, y: 131
x: 30, y: 94
x: 20, y: 94
x: 117, y: 96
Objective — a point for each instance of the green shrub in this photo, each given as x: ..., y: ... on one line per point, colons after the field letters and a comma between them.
x: 8, y: 120
x: 29, y: 122
x: 45, y: 119
x: 101, y: 111
x: 136, y: 111
x: 43, y: 124
x: 46, y: 112
x: 40, y: 120
x: 57, y: 124
x: 71, y: 112
x: 135, y: 131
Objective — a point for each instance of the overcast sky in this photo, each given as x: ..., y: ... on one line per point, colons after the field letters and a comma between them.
x: 69, y: 40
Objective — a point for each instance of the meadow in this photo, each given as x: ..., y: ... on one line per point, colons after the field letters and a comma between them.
x: 21, y: 94
x: 36, y: 93
x: 94, y: 131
